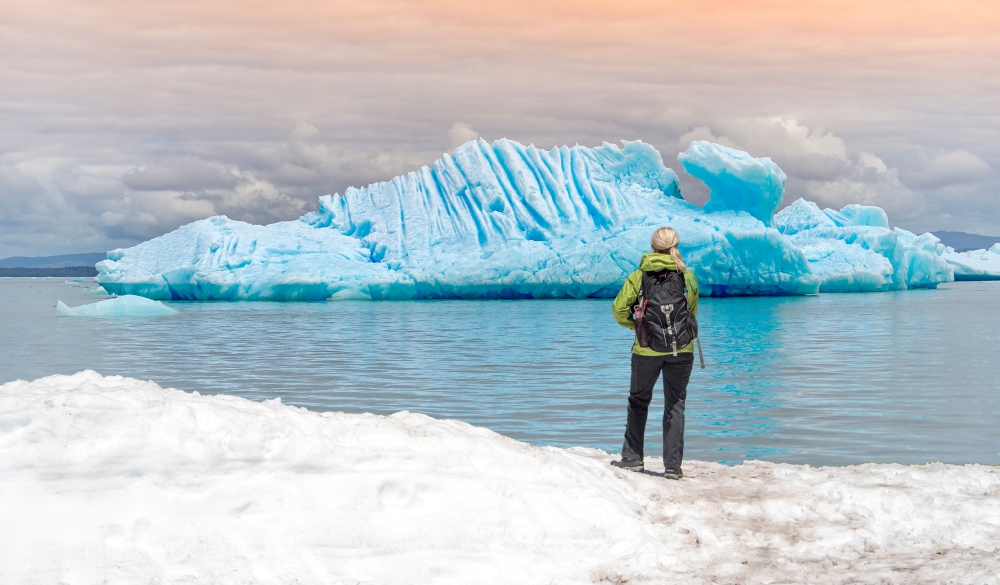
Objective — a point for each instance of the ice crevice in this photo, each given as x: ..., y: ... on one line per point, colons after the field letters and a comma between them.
x: 505, y: 220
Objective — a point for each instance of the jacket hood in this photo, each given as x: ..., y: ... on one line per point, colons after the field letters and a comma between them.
x: 652, y: 262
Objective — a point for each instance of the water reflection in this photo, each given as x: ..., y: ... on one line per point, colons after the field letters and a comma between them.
x: 832, y: 379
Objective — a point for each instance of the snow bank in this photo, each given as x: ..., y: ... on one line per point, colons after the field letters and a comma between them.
x: 115, y: 480
x: 124, y: 306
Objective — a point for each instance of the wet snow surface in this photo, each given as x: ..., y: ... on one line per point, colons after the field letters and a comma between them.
x: 115, y: 480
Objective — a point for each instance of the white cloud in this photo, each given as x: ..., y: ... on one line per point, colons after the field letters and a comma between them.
x: 304, y: 130
x: 868, y: 160
x: 706, y: 133
x: 951, y: 168
x: 769, y: 137
x: 822, y: 167
x: 837, y: 193
x: 461, y: 133
x: 798, y: 139
x: 186, y: 173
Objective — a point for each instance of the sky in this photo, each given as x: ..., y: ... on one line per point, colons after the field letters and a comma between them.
x: 122, y: 120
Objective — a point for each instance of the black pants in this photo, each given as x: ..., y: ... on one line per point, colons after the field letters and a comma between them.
x: 645, y: 372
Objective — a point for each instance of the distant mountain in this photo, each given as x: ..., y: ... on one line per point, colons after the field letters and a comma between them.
x: 64, y: 272
x: 63, y: 261
x: 963, y: 242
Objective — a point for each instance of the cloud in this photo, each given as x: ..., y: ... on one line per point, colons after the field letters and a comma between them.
x: 822, y: 167
x: 461, y: 133
x: 952, y: 168
x: 870, y: 161
x: 799, y: 150
x: 16, y: 191
x: 816, y: 161
x: 122, y: 121
x: 773, y: 136
x: 187, y: 173
x: 865, y: 182
x: 706, y: 133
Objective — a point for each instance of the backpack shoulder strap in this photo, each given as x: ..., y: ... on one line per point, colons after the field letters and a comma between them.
x: 642, y: 285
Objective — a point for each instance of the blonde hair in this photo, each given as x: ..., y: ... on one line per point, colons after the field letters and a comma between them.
x: 665, y: 241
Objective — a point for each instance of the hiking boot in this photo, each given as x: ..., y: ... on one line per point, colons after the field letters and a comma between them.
x: 629, y: 464
x: 673, y: 474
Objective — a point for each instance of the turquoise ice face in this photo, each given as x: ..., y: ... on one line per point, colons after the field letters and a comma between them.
x: 736, y: 180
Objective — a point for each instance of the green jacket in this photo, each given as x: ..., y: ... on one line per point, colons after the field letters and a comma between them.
x: 630, y: 294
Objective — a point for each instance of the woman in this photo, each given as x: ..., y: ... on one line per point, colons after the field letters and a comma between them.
x: 663, y: 265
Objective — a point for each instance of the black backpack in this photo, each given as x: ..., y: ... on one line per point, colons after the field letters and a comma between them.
x: 663, y: 321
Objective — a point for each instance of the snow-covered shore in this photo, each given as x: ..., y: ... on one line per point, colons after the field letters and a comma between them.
x: 115, y: 480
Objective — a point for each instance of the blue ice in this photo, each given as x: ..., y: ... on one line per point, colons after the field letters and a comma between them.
x: 853, y: 250
x: 975, y: 265
x: 124, y: 306
x: 505, y: 220
x: 735, y: 179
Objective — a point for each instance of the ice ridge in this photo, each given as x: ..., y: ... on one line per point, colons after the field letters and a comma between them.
x: 505, y: 220
x: 484, y: 195
x: 976, y: 264
x: 853, y: 250
x: 736, y: 180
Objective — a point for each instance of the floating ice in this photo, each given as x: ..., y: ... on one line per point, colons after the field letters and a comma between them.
x: 735, y: 179
x: 853, y: 250
x: 513, y: 221
x: 490, y: 221
x: 124, y: 306
x: 115, y: 476
x: 975, y: 265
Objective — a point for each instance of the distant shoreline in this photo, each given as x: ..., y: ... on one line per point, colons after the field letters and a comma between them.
x: 66, y: 271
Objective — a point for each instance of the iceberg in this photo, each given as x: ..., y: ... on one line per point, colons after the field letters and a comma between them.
x: 124, y: 306
x: 118, y: 476
x: 505, y: 220
x: 853, y: 250
x: 975, y: 265
x: 735, y: 179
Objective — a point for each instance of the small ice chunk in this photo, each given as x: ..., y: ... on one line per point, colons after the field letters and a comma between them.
x: 800, y: 216
x: 859, y: 215
x: 124, y: 306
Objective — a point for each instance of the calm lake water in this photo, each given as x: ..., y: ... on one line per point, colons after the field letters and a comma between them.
x: 908, y: 377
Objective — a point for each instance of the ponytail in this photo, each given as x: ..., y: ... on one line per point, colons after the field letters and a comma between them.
x: 665, y: 241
